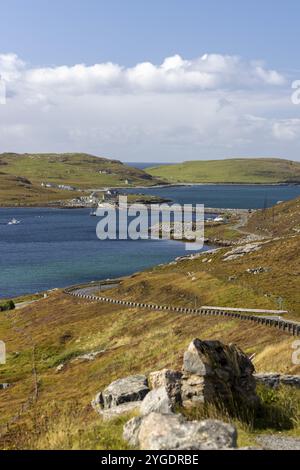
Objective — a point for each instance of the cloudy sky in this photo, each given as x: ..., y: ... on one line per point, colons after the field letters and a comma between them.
x: 139, y: 81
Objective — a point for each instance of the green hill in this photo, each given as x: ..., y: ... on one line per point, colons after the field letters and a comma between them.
x: 236, y: 170
x: 281, y: 219
x: 21, y: 176
x: 77, y: 169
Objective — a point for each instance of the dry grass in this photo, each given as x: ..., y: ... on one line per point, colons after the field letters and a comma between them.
x: 281, y: 219
x: 225, y: 283
x: 279, y: 411
x: 134, y: 341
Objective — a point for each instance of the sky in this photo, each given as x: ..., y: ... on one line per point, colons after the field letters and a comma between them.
x: 142, y: 80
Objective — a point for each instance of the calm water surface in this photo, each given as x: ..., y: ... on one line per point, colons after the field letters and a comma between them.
x: 227, y: 195
x: 58, y: 247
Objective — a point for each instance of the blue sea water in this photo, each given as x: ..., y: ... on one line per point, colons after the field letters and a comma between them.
x: 58, y: 247
x: 226, y: 195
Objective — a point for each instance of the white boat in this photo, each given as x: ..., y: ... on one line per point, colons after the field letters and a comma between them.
x: 14, y: 222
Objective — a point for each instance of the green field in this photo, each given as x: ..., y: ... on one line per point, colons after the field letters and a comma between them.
x: 236, y: 170
x: 21, y: 176
x: 77, y: 169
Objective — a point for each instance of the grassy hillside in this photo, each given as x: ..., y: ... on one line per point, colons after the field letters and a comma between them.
x: 237, y: 170
x: 59, y: 329
x: 16, y: 191
x: 133, y: 341
x: 281, y: 219
x: 225, y: 283
x: 21, y: 176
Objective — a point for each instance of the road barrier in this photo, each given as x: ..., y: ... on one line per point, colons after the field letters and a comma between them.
x: 283, y: 325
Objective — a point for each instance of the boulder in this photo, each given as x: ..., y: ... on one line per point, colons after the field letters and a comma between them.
x: 116, y: 411
x: 157, y: 400
x: 4, y: 386
x: 274, y: 380
x: 171, y: 380
x: 131, y: 431
x: 89, y: 356
x: 219, y: 373
x: 268, y: 379
x: 173, y: 432
x: 129, y: 389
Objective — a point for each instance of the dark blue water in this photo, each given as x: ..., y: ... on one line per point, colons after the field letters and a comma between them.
x: 58, y: 247
x: 222, y: 195
x: 143, y: 165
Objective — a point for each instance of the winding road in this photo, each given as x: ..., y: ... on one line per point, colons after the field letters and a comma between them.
x: 89, y: 293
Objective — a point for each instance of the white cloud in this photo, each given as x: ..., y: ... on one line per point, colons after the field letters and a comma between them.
x: 175, y: 74
x: 11, y: 67
x: 287, y: 129
x: 208, y: 107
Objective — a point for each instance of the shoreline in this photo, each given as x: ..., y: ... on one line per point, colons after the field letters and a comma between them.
x: 59, y: 205
x: 115, y: 280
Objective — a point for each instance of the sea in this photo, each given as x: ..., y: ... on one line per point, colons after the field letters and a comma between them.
x: 53, y: 248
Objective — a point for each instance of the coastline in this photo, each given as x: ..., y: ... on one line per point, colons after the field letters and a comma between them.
x: 44, y: 293
x: 60, y: 204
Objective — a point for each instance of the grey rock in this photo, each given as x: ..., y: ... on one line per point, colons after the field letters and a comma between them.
x: 173, y: 432
x: 4, y: 386
x: 60, y: 367
x: 157, y: 400
x: 214, y: 372
x: 258, y: 270
x: 116, y: 411
x: 274, y: 380
x: 131, y: 431
x: 89, y: 356
x: 292, y: 380
x: 271, y: 380
x: 171, y: 380
x: 242, y: 250
x: 133, y: 388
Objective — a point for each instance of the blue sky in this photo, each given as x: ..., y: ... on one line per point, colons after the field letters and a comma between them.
x: 46, y: 32
x: 138, y: 80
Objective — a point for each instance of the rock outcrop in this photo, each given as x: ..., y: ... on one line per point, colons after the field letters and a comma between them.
x: 121, y: 396
x: 242, y: 250
x: 173, y: 432
x: 157, y: 400
x: 214, y: 372
x: 4, y: 386
x: 171, y: 380
x: 274, y: 380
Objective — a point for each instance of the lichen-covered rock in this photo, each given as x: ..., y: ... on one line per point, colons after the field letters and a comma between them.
x: 274, y: 380
x: 171, y: 380
x: 4, y: 386
x: 119, y: 392
x: 116, y: 411
x: 271, y: 380
x: 173, y: 432
x: 215, y: 372
x: 131, y: 431
x: 157, y: 400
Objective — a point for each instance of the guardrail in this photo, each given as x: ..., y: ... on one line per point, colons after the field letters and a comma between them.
x: 248, y: 310
x: 283, y: 325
